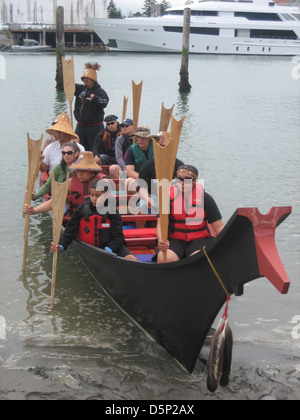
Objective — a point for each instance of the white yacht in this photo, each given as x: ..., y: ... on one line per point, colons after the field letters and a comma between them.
x: 217, y: 27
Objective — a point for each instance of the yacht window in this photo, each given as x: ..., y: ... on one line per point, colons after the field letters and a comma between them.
x: 265, y: 33
x: 287, y: 17
x: 258, y: 16
x: 297, y: 17
x: 193, y: 30
x: 204, y: 13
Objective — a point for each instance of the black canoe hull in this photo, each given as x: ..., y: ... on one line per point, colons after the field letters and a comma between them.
x: 177, y: 303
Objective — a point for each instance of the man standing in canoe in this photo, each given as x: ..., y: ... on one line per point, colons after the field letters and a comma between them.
x: 191, y: 211
x: 91, y: 100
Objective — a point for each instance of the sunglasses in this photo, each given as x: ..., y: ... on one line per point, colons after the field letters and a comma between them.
x: 110, y: 123
x: 185, y: 179
x: 69, y: 153
x: 125, y: 126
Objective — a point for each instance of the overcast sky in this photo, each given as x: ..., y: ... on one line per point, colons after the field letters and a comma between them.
x: 137, y: 5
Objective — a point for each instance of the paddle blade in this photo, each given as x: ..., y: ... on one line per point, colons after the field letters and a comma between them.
x: 165, y: 118
x: 34, y: 161
x: 69, y: 82
x: 136, y: 97
x: 59, y: 196
x: 125, y: 104
x: 69, y: 78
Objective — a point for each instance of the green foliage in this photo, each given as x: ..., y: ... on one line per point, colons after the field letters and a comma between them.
x: 113, y: 12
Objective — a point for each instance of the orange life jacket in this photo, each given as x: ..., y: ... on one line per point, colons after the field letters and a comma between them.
x: 79, y: 190
x: 188, y: 224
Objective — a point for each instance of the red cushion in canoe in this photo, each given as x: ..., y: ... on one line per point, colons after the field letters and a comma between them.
x: 140, y: 233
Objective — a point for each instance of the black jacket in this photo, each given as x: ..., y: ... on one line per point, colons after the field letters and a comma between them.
x: 87, y: 110
x: 113, y: 238
x: 104, y: 143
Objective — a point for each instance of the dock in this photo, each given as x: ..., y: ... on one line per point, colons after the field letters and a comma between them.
x: 77, y: 37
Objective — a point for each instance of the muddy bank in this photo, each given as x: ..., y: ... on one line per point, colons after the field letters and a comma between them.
x: 74, y: 373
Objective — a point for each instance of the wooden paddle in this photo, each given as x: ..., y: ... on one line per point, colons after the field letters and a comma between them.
x: 59, y: 196
x: 136, y: 97
x: 165, y: 158
x: 165, y: 118
x: 125, y: 103
x: 69, y: 82
x: 34, y: 162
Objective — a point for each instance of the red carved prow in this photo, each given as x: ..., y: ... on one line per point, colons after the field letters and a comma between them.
x: 269, y: 262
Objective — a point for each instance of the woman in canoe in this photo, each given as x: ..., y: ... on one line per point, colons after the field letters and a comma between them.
x: 70, y: 154
x: 85, y: 170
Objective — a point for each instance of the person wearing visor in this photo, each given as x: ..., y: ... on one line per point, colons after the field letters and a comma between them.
x: 191, y: 211
x: 104, y: 145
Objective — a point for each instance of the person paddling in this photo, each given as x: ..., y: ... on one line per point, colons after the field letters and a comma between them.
x: 64, y: 133
x: 104, y: 231
x: 84, y: 171
x: 191, y: 210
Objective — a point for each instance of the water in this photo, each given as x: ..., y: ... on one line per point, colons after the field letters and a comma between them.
x: 241, y: 130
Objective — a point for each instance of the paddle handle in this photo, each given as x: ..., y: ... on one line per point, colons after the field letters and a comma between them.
x: 71, y: 112
x: 26, y: 230
x: 53, y: 281
x: 125, y: 104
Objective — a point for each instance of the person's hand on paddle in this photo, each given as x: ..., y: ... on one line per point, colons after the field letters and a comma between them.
x: 55, y: 248
x: 29, y: 209
x: 32, y: 195
x: 163, y: 246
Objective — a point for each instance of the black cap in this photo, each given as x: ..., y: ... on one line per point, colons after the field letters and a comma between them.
x: 111, y: 118
x: 127, y: 121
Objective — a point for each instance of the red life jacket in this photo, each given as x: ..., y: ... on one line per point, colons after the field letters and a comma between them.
x: 93, y: 229
x: 188, y: 224
x: 79, y: 190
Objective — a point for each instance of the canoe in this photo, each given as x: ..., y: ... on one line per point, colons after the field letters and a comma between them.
x: 177, y: 303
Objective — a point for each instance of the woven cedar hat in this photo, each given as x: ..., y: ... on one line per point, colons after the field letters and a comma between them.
x: 90, y: 73
x: 62, y: 125
x: 143, y: 131
x: 86, y: 162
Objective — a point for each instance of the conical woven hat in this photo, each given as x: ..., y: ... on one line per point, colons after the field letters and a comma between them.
x: 86, y: 162
x: 62, y: 125
x: 90, y: 72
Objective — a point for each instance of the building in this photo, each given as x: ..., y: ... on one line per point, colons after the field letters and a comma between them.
x: 22, y: 11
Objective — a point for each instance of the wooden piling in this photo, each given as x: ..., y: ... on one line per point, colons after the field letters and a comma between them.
x: 60, y: 47
x: 184, y: 85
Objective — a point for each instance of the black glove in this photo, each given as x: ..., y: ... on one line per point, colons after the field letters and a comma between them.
x: 84, y: 95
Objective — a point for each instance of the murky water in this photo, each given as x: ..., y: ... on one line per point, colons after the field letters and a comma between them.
x: 242, y: 131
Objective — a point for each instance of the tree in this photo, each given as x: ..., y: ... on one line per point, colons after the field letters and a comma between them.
x: 147, y: 7
x: 164, y: 6
x: 148, y: 4
x: 113, y: 12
